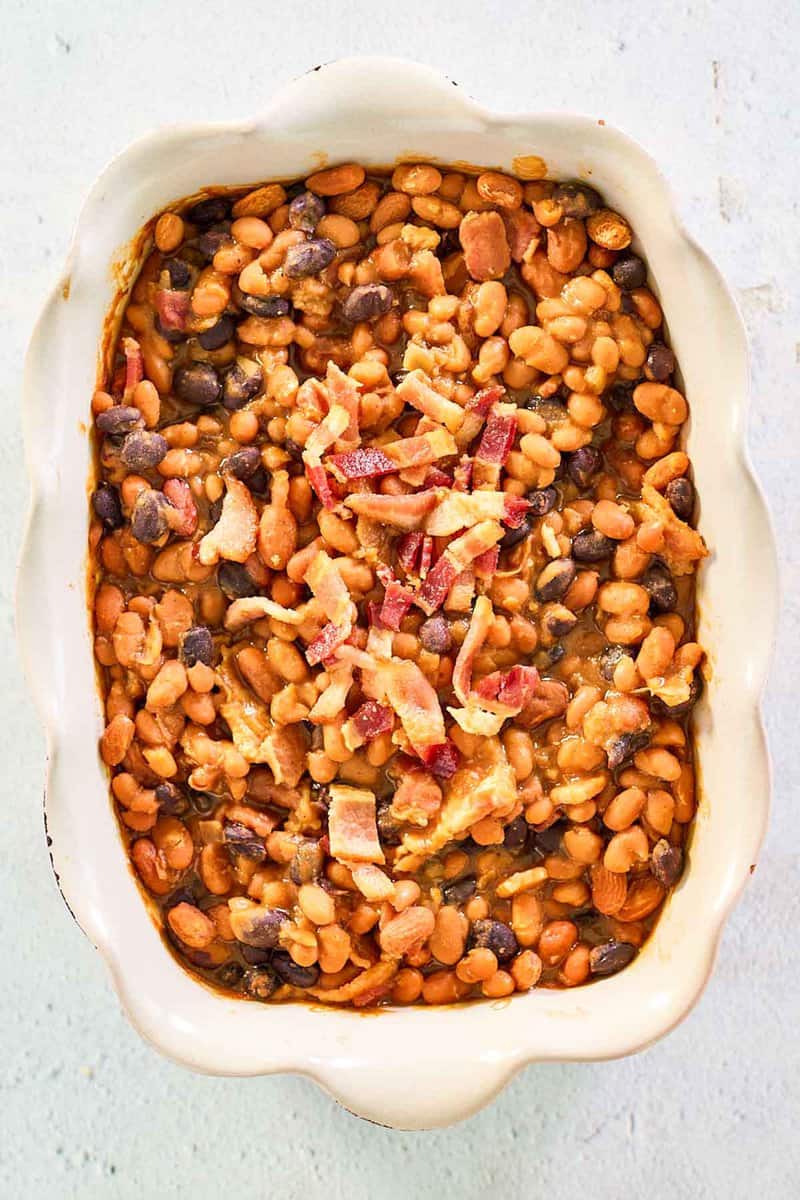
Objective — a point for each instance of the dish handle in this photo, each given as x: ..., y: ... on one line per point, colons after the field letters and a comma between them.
x: 387, y: 91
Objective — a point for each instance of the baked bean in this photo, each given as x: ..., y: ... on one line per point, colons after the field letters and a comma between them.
x: 555, y: 942
x: 417, y: 180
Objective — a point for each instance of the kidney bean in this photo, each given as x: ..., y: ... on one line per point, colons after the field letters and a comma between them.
x: 260, y: 983
x: 290, y: 972
x: 435, y: 635
x: 460, y: 891
x: 242, y: 841
x: 591, y: 546
x: 659, y: 585
x: 242, y: 463
x: 542, y: 501
x: 209, y: 212
x: 122, y: 418
x: 236, y: 581
x: 309, y: 258
x: 576, y: 199
x: 142, y: 450
x: 366, y: 302
x: 666, y: 863
x: 149, y: 519
x: 241, y: 384
x: 106, y: 505
x: 171, y: 800
x: 197, y: 384
x: 512, y: 537
x: 196, y: 645
x: 180, y: 274
x: 554, y: 581
x: 660, y: 362
x: 610, y: 957
x: 629, y: 272
x: 263, y: 306
x: 583, y: 464
x: 680, y: 494
x: 496, y: 936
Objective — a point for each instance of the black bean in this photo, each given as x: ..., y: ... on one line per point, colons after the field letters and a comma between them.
x: 623, y: 748
x: 555, y: 580
x: 143, y: 450
x: 367, y: 301
x: 263, y: 306
x: 659, y: 585
x: 172, y: 801
x: 448, y: 243
x: 495, y: 936
x: 149, y: 520
x: 666, y: 862
x: 620, y: 397
x: 290, y: 972
x: 242, y: 841
x: 260, y: 983
x: 254, y: 956
x: 236, y: 581
x: 542, y: 501
x: 179, y: 273
x: 629, y: 272
x: 182, y: 895
x: 555, y: 654
x: 610, y: 957
x: 680, y: 494
x: 516, y: 833
x: 435, y: 635
x: 208, y: 212
x: 513, y: 537
x: 107, y: 506
x: 577, y: 199
x: 582, y: 464
x: 591, y: 546
x: 608, y: 659
x: 460, y: 891
x: 122, y: 418
x: 557, y: 621
x: 220, y: 332
x: 307, y: 863
x: 242, y: 463
x: 660, y: 362
x: 241, y: 384
x: 309, y: 258
x: 196, y: 645
x: 306, y: 211
x: 197, y: 384
x: 258, y: 483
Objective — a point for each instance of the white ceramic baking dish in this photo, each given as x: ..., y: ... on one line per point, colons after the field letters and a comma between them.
x: 416, y: 1067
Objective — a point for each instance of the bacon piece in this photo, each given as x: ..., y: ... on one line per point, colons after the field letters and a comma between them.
x: 234, y: 535
x: 512, y: 689
x: 253, y: 608
x: 413, y: 699
x: 418, y: 797
x: 369, y: 721
x: 179, y: 494
x: 476, y: 412
x: 352, y: 825
x: 683, y: 546
x: 498, y: 435
x: 485, y: 564
x: 409, y: 549
x: 426, y: 556
x: 482, y: 786
x: 479, y: 626
x: 441, y: 760
x: 326, y: 642
x: 325, y: 580
x: 344, y: 393
x: 462, y: 476
x: 363, y: 463
x: 402, y: 512
x: 477, y: 721
x: 461, y: 510
x: 436, y: 479
x: 330, y: 703
x: 332, y: 426
x: 172, y: 308
x: 373, y: 883
x: 416, y: 390
x: 523, y: 232
x: 397, y: 601
x: 364, y: 989
x: 459, y: 555
x: 134, y: 363
x: 515, y: 511
x: 462, y: 592
x: 317, y: 477
x: 422, y: 450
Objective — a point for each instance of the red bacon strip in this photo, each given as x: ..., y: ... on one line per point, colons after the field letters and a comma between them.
x: 421, y: 450
x: 512, y: 688
x: 485, y: 564
x: 459, y: 555
x: 397, y: 601
x: 498, y: 436
x: 409, y: 547
x: 134, y: 363
x: 441, y: 760
x: 363, y: 463
x: 372, y: 719
x: 462, y: 476
x: 476, y: 412
x: 515, y: 510
x: 326, y: 642
x: 180, y: 497
x: 403, y: 512
x: 321, y: 484
x: 342, y: 390
x: 480, y: 623
x: 172, y: 308
x: 416, y: 390
x: 426, y: 556
x: 436, y: 478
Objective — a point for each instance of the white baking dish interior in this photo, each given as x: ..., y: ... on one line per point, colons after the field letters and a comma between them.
x: 411, y: 1067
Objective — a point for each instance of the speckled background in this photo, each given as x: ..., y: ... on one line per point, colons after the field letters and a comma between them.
x: 87, y: 1109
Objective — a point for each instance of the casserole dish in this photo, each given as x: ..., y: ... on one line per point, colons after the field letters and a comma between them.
x: 410, y: 1067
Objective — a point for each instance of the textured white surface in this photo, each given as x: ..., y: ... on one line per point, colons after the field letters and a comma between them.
x: 88, y: 1110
